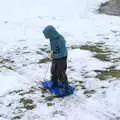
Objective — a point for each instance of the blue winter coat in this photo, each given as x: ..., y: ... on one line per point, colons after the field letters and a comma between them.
x: 57, y: 42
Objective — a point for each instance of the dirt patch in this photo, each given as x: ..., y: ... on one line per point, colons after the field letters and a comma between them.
x: 111, y: 7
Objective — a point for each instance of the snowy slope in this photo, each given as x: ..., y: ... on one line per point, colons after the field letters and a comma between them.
x: 21, y: 43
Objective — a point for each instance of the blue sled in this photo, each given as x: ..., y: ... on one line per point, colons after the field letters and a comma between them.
x: 58, y: 91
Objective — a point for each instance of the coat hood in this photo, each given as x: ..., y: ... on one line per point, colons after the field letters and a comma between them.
x: 50, y: 32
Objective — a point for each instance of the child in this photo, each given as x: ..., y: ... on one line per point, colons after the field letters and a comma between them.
x: 58, y: 55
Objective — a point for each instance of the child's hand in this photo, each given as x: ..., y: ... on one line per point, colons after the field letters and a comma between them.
x: 49, y: 55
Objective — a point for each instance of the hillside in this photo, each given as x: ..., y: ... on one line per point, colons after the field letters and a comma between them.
x: 93, y: 60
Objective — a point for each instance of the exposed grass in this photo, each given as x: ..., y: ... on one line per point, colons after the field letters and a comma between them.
x: 50, y: 98
x: 116, y: 59
x: 7, y: 63
x: 103, y: 87
x: 8, y: 67
x: 15, y: 91
x: 44, y: 60
x: 49, y: 104
x: 16, y: 118
x: 75, y: 47
x: 6, y: 60
x: 45, y: 50
x: 27, y: 103
x: 28, y: 92
x: 83, y: 87
x: 92, y: 48
x: 108, y: 73
x: 79, y: 86
x: 89, y: 92
x: 99, y: 50
x: 39, y: 52
x: 103, y: 56
x: 70, y: 68
x: 114, y: 73
x: 102, y: 76
x: 9, y: 105
x: 26, y: 52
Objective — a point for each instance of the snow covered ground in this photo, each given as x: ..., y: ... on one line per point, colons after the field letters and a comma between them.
x: 23, y: 45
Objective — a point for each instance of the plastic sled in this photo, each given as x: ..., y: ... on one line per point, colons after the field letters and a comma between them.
x: 59, y: 91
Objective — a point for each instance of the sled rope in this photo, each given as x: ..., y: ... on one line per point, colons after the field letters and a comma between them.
x: 45, y: 74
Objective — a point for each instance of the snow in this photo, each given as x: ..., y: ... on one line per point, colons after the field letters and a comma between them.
x: 21, y: 40
x: 10, y: 81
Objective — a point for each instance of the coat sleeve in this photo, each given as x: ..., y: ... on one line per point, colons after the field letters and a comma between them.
x: 62, y: 49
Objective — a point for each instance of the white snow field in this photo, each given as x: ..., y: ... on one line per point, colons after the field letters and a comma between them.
x: 22, y: 46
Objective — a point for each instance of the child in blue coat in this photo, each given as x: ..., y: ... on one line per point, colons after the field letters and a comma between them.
x: 58, y: 55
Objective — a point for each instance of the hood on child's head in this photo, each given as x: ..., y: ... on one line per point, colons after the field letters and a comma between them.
x: 50, y: 32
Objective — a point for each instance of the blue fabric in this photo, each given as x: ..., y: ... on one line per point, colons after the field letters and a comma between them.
x: 58, y: 91
x: 57, y: 42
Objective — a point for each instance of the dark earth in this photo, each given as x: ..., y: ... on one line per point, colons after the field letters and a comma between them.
x: 111, y: 7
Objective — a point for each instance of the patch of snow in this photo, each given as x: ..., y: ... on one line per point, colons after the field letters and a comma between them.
x: 10, y: 80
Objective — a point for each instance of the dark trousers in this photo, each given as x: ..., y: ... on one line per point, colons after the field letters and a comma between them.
x: 58, y: 70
